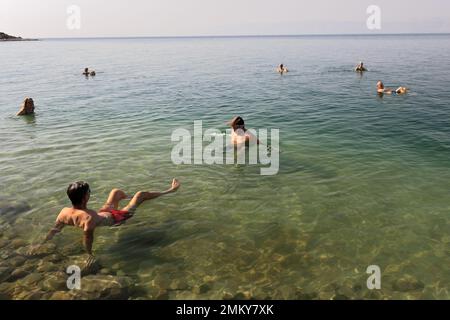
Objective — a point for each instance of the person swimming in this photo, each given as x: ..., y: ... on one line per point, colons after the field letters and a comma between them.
x: 26, y: 108
x: 282, y: 69
x: 381, y: 89
x: 360, y: 67
x: 88, y: 220
x: 88, y: 73
x: 239, y: 134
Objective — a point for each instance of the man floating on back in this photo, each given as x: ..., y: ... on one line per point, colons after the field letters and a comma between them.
x: 79, y: 215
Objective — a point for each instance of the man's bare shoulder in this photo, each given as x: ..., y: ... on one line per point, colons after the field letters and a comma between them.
x: 65, y: 212
x: 72, y: 212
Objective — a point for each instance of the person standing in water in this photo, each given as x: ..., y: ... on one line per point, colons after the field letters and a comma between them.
x: 239, y: 134
x: 360, y: 67
x: 381, y: 89
x: 26, y: 108
x: 282, y: 69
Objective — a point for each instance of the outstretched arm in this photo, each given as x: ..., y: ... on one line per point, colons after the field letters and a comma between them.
x: 88, y: 240
x: 53, y: 231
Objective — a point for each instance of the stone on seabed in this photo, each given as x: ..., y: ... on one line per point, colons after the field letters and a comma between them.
x: 104, y: 287
x: 407, y: 283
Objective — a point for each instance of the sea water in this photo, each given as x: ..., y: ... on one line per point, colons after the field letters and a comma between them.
x: 363, y: 180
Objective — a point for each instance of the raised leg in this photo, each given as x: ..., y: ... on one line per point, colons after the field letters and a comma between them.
x: 114, y: 198
x: 142, y: 196
x: 139, y: 198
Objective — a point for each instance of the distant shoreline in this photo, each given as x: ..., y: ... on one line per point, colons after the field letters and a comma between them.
x: 319, y: 35
x: 251, y: 36
x: 7, y: 37
x: 15, y: 40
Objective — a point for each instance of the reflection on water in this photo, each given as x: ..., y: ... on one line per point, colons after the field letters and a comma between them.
x: 362, y: 181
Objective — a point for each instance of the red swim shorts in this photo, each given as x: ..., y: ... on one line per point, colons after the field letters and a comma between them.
x: 119, y: 215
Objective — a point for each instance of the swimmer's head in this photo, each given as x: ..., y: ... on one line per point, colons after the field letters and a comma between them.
x: 380, y: 85
x: 78, y: 193
x: 86, y: 70
x: 29, y: 105
x: 237, y: 123
x: 361, y: 63
x: 281, y: 66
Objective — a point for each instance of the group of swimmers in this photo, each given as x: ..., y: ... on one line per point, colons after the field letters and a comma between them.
x: 27, y: 106
x: 360, y: 68
x: 380, y: 86
x: 79, y: 215
x: 88, y: 72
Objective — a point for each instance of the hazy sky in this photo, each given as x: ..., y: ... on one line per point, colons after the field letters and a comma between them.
x: 48, y: 18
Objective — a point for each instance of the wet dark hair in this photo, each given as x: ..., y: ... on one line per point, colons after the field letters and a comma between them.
x: 239, y: 121
x: 77, y: 191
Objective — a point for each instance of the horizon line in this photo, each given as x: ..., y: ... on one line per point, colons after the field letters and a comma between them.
x: 250, y: 35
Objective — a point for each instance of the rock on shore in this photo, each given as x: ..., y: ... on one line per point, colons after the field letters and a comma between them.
x: 7, y: 37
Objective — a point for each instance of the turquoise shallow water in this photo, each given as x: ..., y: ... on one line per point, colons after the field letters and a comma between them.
x: 363, y: 180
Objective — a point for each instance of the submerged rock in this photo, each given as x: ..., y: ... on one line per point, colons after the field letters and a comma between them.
x: 17, y: 243
x: 45, y: 267
x: 53, y: 258
x: 54, y: 282
x: 407, y: 283
x: 18, y: 274
x: 21, y: 272
x: 32, y: 278
x: 201, y: 289
x: 6, y: 290
x: 62, y: 295
x: 326, y: 295
x: 178, y: 284
x: 5, y: 272
x: 3, y: 243
x: 35, y: 294
x: 105, y: 287
x: 105, y: 271
x: 16, y: 261
x: 39, y: 251
x: 161, y: 281
x: 11, y: 211
x: 239, y: 296
x: 300, y: 295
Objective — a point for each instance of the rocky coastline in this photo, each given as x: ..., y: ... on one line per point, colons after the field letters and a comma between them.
x: 7, y: 37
